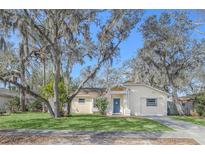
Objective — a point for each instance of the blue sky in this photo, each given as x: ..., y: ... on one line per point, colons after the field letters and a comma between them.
x: 129, y: 47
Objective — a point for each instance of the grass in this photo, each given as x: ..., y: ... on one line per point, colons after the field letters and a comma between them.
x: 192, y: 119
x: 79, y: 123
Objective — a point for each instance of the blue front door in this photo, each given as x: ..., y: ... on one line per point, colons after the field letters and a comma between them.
x: 116, y: 105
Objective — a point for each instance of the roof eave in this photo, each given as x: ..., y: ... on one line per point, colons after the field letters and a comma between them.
x: 140, y: 84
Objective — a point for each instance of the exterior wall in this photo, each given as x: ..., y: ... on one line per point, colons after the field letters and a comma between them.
x: 89, y: 94
x: 85, y: 108
x: 137, y: 101
x: 5, y: 96
x: 132, y: 101
x: 3, y: 101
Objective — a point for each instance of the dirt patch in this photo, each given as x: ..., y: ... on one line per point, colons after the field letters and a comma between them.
x: 142, y: 141
x: 84, y: 140
x: 174, y: 141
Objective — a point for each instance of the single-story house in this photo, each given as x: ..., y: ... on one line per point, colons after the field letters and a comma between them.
x: 130, y: 98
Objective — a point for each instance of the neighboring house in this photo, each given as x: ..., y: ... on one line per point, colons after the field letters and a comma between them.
x: 5, y: 96
x: 127, y: 99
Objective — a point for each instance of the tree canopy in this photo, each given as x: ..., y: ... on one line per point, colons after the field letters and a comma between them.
x: 62, y: 39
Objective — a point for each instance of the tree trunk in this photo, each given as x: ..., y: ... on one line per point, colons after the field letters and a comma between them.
x: 56, y: 71
x: 176, y: 102
x: 22, y: 100
x: 67, y: 81
x: 69, y: 107
x: 22, y: 77
x: 44, y: 83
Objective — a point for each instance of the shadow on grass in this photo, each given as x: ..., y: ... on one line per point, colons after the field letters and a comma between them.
x: 81, y: 123
x: 193, y: 119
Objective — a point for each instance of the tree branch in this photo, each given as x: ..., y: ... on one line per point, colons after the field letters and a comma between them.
x: 100, y: 62
x: 30, y: 93
x: 37, y: 28
x: 84, y: 81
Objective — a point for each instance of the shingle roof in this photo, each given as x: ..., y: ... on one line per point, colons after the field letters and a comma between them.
x: 128, y: 83
x: 93, y: 92
x: 98, y: 90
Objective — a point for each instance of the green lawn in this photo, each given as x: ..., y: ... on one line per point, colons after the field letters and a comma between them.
x: 195, y: 120
x: 79, y: 123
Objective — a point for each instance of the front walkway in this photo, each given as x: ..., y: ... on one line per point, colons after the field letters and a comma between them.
x: 183, y: 129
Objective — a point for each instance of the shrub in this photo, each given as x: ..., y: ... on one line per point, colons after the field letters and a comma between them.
x: 2, y: 109
x: 47, y: 91
x: 199, y: 103
x: 13, y: 105
x: 35, y: 106
x: 101, y: 104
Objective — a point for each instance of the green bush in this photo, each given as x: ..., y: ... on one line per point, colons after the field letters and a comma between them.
x: 35, y: 106
x: 199, y: 103
x: 2, y: 109
x: 13, y: 105
x: 101, y: 104
x: 47, y: 91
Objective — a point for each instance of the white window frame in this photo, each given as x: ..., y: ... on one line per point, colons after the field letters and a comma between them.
x: 80, y: 101
x: 148, y: 105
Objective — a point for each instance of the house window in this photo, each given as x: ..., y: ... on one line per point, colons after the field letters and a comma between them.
x: 151, y: 102
x: 81, y: 100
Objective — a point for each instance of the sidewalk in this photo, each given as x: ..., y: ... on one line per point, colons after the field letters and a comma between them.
x: 85, y: 137
x: 182, y: 128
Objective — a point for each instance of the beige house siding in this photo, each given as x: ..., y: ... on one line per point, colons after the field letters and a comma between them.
x: 85, y: 108
x: 137, y: 101
x: 89, y: 94
x: 132, y: 97
x: 160, y: 109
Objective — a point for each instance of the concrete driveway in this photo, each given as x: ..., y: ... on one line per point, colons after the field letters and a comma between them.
x: 183, y: 129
